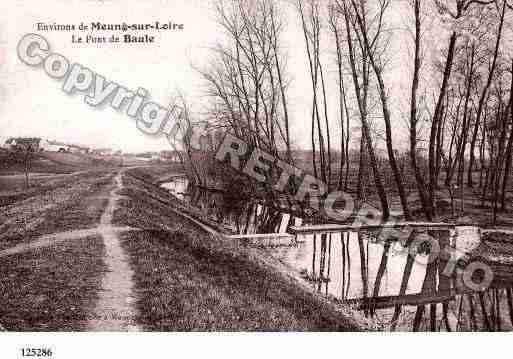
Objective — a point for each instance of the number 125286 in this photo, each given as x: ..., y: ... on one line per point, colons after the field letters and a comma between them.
x: 36, y: 352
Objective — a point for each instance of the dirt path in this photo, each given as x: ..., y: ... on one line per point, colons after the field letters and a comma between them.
x: 115, y: 310
x: 49, y: 240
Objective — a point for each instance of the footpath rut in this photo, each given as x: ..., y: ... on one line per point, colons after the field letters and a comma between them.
x: 115, y: 309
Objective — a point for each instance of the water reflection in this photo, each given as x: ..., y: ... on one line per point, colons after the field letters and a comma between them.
x: 178, y: 186
x: 378, y: 276
x: 398, y: 290
x: 225, y: 208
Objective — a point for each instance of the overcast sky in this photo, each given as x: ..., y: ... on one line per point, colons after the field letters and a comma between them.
x: 33, y: 104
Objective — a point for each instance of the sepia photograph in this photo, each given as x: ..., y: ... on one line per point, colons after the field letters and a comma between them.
x: 255, y: 166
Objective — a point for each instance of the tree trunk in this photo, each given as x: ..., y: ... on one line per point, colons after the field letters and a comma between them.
x: 509, y: 150
x: 419, y: 178
x: 435, y: 123
x: 386, y: 117
x: 365, y: 126
x: 470, y: 182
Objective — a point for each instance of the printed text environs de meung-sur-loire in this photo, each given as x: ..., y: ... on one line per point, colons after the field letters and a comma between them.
x: 94, y: 26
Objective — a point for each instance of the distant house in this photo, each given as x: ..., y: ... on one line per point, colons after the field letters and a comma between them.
x: 54, y: 146
x: 23, y: 143
x: 2, y: 142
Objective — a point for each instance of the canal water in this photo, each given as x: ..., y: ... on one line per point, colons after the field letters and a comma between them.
x: 395, y: 288
x: 178, y: 187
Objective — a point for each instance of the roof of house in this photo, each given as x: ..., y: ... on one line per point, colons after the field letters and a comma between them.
x: 23, y: 140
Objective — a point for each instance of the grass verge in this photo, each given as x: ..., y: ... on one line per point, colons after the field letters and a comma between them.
x: 53, y: 288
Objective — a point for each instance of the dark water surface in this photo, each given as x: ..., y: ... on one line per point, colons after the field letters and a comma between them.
x: 394, y: 289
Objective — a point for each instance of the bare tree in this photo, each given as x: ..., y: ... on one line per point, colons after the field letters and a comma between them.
x: 371, y: 45
x: 484, y: 92
x: 361, y: 91
x: 246, y: 79
x: 509, y: 149
x: 343, y: 110
x: 311, y: 25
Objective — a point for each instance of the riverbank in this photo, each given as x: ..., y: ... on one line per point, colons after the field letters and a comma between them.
x: 187, y: 278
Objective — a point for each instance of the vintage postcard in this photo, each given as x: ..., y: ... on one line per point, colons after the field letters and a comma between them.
x: 256, y: 165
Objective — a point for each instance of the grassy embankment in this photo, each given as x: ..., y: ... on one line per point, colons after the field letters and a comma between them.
x: 53, y: 288
x: 188, y: 279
